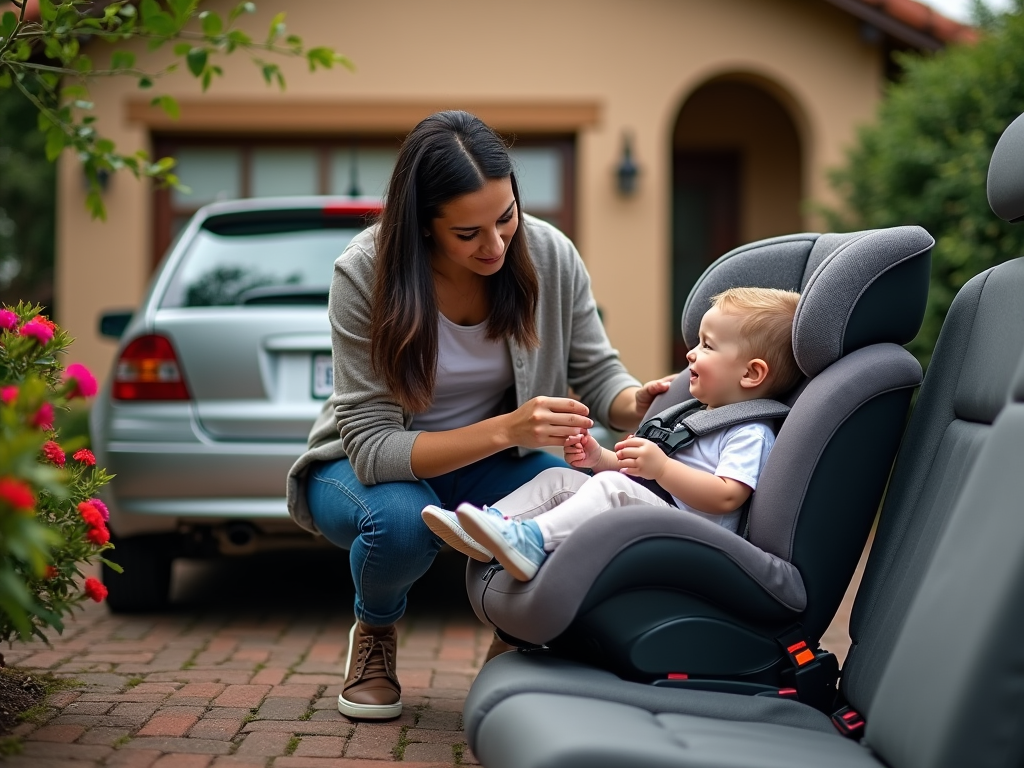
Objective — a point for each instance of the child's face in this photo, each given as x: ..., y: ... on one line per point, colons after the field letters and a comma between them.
x: 719, y: 365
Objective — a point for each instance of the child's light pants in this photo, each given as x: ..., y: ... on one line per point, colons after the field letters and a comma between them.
x: 559, y: 500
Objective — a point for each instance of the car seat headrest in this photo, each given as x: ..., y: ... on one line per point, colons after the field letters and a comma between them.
x: 857, y: 289
x: 1006, y: 173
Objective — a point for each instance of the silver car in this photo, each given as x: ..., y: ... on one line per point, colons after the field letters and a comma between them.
x: 219, y: 376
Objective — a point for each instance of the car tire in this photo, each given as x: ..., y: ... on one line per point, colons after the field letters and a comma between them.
x: 145, y: 584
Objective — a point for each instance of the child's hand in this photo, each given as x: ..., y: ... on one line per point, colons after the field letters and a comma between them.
x: 640, y: 458
x: 582, y: 451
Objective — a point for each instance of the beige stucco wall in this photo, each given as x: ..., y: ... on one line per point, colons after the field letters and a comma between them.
x: 639, y: 61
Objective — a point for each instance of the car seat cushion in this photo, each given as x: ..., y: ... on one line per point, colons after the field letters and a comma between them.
x: 511, y: 674
x: 952, y: 692
x: 538, y: 610
x: 575, y: 732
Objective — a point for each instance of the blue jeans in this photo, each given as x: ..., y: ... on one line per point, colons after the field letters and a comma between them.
x: 389, y: 545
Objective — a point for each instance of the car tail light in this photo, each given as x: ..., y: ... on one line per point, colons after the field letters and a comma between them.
x: 148, y: 370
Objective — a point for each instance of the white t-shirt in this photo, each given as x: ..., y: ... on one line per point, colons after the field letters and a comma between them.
x: 473, y: 374
x: 737, y: 452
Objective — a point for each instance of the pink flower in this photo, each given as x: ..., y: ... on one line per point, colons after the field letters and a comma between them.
x: 38, y: 330
x: 85, y: 382
x: 94, y: 589
x: 16, y: 493
x: 104, y: 512
x: 43, y: 418
x: 8, y: 394
x: 8, y: 320
x: 53, y: 452
x: 85, y: 456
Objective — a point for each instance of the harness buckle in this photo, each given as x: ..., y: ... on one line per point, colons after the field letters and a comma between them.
x: 812, y: 672
x: 849, y: 722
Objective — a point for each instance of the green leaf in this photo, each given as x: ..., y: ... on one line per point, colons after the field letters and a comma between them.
x: 56, y: 140
x: 182, y: 49
x: 8, y: 23
x: 145, y: 82
x: 241, y: 8
x: 182, y: 10
x: 277, y: 28
x: 212, y: 23
x: 47, y: 10
x: 112, y: 566
x: 169, y: 105
x: 5, y: 79
x: 322, y: 56
x: 105, y: 146
x: 74, y: 91
x: 94, y: 202
x: 122, y: 60
x: 196, y: 60
x: 157, y: 21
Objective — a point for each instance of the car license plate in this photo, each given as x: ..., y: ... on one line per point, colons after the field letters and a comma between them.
x: 323, y: 376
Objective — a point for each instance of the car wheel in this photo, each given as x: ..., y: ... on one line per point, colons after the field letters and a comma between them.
x: 145, y: 584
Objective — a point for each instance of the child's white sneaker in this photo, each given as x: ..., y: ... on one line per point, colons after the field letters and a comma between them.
x: 446, y: 525
x: 513, y: 543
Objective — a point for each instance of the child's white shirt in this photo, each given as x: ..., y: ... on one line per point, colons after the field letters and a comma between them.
x: 738, y: 452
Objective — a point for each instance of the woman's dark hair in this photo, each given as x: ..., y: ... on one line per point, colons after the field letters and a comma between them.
x: 447, y: 155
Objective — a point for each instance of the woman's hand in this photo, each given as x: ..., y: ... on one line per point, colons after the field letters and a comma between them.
x: 546, y: 421
x: 646, y: 394
x: 582, y: 451
x: 641, y: 458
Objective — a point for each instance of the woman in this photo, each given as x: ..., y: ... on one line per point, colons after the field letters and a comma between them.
x: 458, y: 325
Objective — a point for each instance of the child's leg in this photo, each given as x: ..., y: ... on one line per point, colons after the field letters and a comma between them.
x: 600, y: 493
x: 548, y: 489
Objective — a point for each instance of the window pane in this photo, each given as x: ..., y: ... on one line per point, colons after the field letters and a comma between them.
x: 212, y: 173
x: 284, y: 172
x: 539, y: 172
x: 372, y: 170
x: 221, y: 270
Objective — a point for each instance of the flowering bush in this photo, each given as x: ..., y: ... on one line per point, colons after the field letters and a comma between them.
x: 51, y: 522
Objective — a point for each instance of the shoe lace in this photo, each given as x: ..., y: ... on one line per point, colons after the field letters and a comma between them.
x: 375, y: 657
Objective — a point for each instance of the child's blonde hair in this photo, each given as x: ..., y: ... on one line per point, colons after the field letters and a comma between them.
x: 766, y: 328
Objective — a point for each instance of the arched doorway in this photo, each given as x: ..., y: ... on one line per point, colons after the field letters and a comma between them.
x: 737, y: 177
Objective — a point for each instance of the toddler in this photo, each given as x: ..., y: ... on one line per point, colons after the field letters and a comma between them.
x: 744, y: 352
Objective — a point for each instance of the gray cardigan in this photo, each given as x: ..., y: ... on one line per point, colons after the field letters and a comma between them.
x: 362, y: 421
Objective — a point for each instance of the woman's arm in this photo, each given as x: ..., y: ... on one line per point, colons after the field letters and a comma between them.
x: 539, y: 422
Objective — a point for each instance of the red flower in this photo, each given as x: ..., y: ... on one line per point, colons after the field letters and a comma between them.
x: 8, y: 394
x: 84, y: 381
x: 90, y: 514
x: 43, y: 418
x: 53, y: 452
x: 95, y: 589
x: 44, y: 320
x: 101, y: 507
x: 38, y: 330
x: 85, y: 456
x: 16, y: 493
x: 51, y: 571
x: 98, y: 535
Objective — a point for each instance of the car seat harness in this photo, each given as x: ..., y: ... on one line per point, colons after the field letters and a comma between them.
x: 679, y: 425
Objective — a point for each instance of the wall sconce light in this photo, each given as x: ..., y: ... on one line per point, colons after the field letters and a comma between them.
x: 627, y: 171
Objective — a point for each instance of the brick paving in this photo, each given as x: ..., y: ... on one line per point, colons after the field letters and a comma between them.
x: 244, y: 672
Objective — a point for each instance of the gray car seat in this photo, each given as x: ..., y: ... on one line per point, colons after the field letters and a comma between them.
x: 651, y: 592
x: 932, y: 667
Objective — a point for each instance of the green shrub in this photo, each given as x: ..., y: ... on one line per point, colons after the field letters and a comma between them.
x: 925, y: 160
x: 50, y: 521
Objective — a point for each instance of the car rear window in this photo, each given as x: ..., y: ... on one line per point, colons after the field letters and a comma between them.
x: 250, y: 260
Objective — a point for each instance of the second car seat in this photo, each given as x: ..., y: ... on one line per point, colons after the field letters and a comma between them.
x: 658, y: 593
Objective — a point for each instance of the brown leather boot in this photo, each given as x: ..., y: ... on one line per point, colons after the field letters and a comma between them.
x: 498, y: 647
x: 371, y: 689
